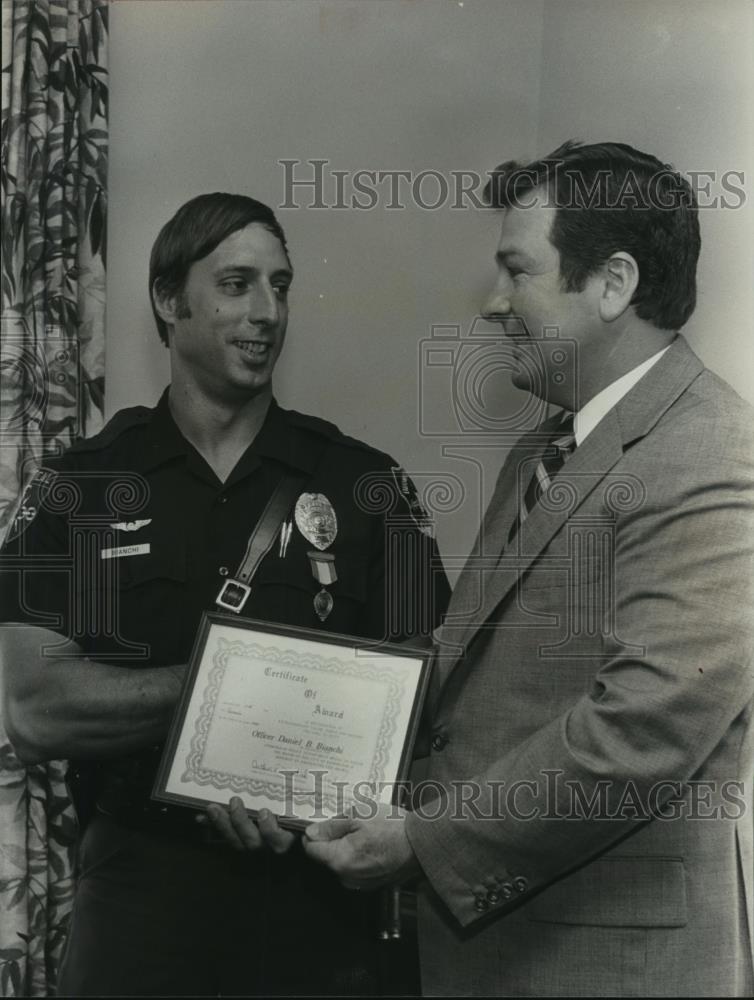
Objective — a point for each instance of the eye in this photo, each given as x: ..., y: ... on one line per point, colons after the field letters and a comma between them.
x: 281, y: 291
x: 234, y: 286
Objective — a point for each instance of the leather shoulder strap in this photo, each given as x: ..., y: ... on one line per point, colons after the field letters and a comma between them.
x: 235, y: 591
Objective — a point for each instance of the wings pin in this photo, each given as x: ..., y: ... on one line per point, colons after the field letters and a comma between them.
x: 130, y: 525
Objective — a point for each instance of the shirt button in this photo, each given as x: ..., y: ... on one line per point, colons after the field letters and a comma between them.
x: 223, y: 571
x: 439, y: 742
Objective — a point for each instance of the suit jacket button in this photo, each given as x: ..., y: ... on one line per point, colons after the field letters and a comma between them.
x: 506, y: 890
x: 439, y: 741
x: 481, y: 904
x: 493, y: 897
x: 520, y: 883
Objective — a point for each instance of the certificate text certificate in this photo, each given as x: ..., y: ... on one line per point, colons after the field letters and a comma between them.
x: 303, y: 728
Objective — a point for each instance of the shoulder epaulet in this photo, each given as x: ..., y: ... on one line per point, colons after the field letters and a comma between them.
x: 121, y: 422
x: 329, y: 430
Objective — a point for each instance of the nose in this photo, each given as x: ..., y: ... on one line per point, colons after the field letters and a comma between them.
x: 498, y: 304
x: 264, y: 305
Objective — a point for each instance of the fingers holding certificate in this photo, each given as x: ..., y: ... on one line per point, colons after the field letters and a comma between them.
x: 364, y: 852
x: 298, y: 724
x: 243, y: 834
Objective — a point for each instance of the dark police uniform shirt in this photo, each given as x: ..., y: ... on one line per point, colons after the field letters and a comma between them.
x: 123, y: 542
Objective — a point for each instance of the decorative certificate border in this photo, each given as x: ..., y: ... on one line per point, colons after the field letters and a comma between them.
x: 385, y: 684
x: 276, y: 790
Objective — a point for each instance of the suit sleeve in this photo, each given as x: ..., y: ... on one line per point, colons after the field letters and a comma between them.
x: 674, y: 681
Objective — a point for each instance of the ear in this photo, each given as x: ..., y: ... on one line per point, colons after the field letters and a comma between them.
x: 620, y: 278
x: 166, y: 306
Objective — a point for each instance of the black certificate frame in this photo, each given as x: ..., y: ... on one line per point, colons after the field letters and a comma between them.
x: 250, y: 627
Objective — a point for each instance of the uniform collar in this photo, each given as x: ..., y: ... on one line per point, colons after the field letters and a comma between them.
x: 276, y: 439
x: 284, y: 440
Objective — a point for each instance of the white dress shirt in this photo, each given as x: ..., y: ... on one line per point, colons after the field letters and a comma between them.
x: 592, y: 412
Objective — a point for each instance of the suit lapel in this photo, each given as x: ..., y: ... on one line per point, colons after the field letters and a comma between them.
x: 635, y: 415
x: 576, y: 480
x: 496, y: 524
x: 468, y: 605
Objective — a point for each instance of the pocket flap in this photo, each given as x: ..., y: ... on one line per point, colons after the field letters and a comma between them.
x: 351, y: 581
x: 165, y: 560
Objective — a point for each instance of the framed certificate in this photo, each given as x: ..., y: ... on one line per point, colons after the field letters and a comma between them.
x: 305, y: 724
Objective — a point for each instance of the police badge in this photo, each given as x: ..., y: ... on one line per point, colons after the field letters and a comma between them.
x: 316, y: 520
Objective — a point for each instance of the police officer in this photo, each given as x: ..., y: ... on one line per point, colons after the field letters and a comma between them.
x: 135, y: 533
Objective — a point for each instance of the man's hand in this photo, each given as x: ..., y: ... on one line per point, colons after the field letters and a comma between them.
x: 243, y: 834
x: 364, y: 853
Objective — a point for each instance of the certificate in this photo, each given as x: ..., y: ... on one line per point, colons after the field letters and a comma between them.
x: 305, y: 724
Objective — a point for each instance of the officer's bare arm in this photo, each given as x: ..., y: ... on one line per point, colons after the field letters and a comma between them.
x: 71, y: 707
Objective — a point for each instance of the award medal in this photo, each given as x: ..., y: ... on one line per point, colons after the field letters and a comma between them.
x: 316, y: 520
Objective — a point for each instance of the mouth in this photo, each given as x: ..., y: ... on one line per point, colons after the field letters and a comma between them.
x: 514, y: 330
x: 254, y: 350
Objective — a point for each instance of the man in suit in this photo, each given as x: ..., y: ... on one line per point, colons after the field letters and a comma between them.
x: 586, y: 828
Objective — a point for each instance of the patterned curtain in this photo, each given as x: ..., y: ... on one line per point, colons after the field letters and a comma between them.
x: 54, y: 211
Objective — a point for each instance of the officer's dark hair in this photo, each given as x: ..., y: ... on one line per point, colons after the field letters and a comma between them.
x: 612, y: 197
x: 194, y: 231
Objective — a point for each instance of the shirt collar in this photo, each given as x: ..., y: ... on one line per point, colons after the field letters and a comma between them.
x: 275, y: 440
x: 279, y: 438
x: 165, y: 440
x: 590, y: 415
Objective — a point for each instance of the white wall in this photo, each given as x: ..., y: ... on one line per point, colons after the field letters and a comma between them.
x: 210, y: 94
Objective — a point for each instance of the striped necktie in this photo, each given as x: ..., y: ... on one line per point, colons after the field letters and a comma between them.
x: 559, y: 447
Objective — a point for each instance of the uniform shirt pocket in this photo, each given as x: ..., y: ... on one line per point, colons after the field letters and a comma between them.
x: 151, y: 607
x: 165, y: 560
x: 283, y: 590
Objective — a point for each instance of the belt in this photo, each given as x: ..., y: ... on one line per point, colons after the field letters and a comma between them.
x: 166, y: 821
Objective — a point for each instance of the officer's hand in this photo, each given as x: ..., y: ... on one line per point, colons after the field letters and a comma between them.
x: 244, y: 834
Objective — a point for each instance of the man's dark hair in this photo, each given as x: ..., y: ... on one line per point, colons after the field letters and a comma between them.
x: 611, y: 197
x: 194, y: 231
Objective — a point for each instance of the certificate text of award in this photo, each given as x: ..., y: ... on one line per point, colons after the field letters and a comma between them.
x: 301, y: 723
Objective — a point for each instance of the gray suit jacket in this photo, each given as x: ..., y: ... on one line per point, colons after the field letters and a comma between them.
x: 593, y: 740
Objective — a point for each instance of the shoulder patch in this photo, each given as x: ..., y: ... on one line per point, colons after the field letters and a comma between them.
x: 29, y: 501
x: 123, y: 421
x: 407, y: 490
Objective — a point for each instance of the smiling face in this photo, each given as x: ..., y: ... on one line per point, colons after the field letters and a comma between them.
x: 554, y: 333
x: 228, y: 325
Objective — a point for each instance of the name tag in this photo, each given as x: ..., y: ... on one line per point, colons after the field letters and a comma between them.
x: 126, y: 550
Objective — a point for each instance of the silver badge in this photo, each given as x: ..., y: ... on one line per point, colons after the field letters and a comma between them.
x: 316, y: 520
